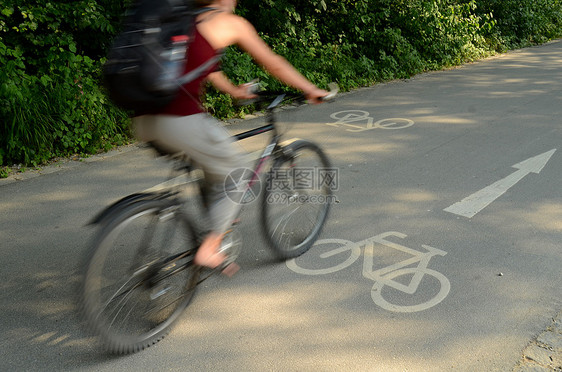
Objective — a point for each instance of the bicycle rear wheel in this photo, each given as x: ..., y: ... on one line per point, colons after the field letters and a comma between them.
x: 139, y: 275
x: 297, y: 198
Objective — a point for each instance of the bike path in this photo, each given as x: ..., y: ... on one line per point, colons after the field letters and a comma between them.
x: 471, y: 125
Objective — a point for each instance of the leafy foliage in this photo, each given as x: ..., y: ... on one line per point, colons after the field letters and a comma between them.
x: 52, y: 102
x: 359, y: 42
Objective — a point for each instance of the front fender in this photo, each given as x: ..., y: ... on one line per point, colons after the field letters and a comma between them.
x: 108, y: 212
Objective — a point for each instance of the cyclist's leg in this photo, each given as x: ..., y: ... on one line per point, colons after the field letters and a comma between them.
x: 211, y: 147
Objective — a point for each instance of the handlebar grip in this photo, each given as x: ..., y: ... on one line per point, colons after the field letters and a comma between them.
x: 334, y: 89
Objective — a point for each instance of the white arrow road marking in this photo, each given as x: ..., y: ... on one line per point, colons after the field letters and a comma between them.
x: 474, y: 203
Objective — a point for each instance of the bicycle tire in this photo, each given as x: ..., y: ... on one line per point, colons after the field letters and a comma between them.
x: 293, y: 214
x: 139, y: 277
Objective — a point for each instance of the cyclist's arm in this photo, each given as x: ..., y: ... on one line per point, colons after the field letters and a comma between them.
x: 249, y: 40
x: 228, y: 29
x: 222, y: 83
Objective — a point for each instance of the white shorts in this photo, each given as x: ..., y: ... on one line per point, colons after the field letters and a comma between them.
x: 209, y: 145
x: 200, y: 136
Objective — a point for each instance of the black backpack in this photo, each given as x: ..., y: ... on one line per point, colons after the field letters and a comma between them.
x: 144, y: 68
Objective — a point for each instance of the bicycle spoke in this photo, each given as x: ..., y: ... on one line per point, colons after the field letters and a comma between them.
x: 296, y: 223
x: 118, y: 295
x: 120, y: 308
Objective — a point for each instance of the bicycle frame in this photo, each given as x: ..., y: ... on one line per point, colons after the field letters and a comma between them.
x: 273, y: 143
x: 270, y: 126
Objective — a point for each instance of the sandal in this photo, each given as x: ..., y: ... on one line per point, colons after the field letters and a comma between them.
x: 228, y: 248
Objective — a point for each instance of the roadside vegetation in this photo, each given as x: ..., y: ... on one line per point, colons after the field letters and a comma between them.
x: 53, y: 104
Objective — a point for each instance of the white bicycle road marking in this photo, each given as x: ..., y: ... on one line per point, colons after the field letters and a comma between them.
x: 386, y: 275
x: 347, y: 117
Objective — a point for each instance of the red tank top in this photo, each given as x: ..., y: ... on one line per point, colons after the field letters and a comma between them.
x: 188, y: 101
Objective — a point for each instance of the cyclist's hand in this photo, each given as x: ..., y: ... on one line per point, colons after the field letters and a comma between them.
x: 245, y: 91
x: 315, y: 95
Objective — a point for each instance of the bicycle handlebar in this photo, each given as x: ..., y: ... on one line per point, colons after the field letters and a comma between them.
x: 274, y: 98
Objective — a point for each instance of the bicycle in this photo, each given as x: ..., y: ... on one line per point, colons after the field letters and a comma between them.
x: 385, y: 276
x: 139, y: 275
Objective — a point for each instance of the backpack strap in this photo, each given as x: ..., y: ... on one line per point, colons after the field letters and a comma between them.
x: 196, y: 72
x: 206, y: 10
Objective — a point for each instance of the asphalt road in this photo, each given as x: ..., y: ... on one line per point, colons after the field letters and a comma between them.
x: 464, y: 164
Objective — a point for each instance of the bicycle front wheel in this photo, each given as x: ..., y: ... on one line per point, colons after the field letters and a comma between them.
x: 297, y: 198
x: 139, y: 276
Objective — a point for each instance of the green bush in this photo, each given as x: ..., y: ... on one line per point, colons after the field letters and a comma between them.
x: 524, y: 22
x: 53, y: 104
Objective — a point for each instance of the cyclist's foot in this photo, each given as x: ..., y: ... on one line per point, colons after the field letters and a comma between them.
x: 230, y: 269
x: 208, y: 254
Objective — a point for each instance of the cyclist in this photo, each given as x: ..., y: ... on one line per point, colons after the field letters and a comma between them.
x: 185, y: 126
